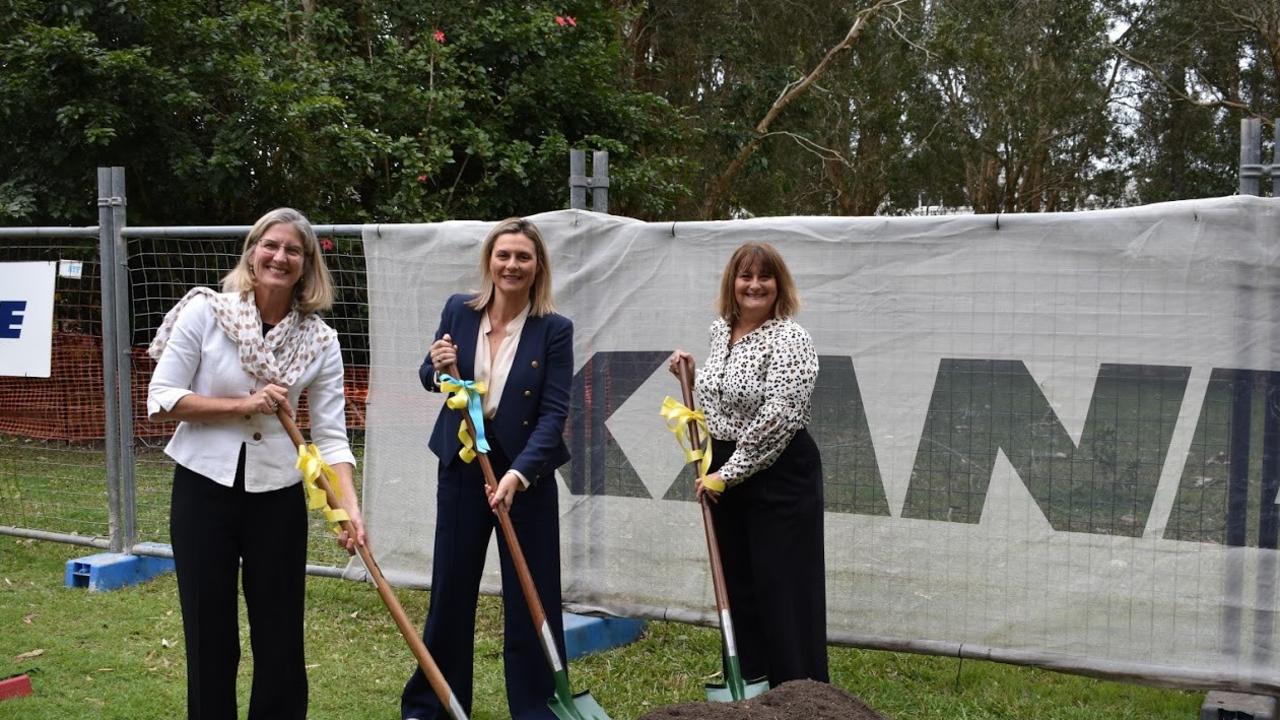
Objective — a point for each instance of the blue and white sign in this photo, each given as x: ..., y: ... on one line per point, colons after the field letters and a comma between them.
x: 26, y: 318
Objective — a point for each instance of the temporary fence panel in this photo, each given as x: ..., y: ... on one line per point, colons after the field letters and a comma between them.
x: 165, y: 263
x: 52, y: 459
x: 1045, y: 438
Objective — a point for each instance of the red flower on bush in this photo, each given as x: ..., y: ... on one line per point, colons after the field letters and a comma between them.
x: 422, y: 178
x: 439, y: 36
x: 566, y: 20
x: 326, y: 244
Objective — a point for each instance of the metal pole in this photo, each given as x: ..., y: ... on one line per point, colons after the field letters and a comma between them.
x: 600, y: 181
x: 110, y: 396
x: 577, y: 179
x: 1250, y: 156
x: 1275, y: 162
x: 124, y: 360
x: 236, y: 232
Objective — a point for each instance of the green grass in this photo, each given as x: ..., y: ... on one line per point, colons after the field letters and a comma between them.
x: 120, y: 655
x: 62, y: 487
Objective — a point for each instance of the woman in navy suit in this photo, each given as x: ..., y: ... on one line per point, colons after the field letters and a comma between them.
x: 509, y: 336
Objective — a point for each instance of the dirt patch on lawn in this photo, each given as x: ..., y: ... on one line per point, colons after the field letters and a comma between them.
x: 795, y: 700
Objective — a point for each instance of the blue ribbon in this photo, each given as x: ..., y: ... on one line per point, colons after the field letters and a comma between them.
x: 466, y: 393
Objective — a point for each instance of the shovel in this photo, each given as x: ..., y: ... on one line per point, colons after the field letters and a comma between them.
x: 564, y: 703
x: 734, y: 687
x: 410, y: 633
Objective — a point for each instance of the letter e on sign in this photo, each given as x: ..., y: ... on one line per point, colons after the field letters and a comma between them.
x: 11, y: 314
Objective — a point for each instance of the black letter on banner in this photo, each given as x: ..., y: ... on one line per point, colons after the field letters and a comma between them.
x: 1227, y: 493
x: 851, y: 474
x: 1105, y: 485
x: 598, y: 466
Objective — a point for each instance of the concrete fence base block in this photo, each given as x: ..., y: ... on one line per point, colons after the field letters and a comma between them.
x: 1220, y: 705
x: 110, y: 571
x: 584, y: 634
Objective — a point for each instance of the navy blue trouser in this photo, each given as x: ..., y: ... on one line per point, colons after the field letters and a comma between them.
x: 214, y: 529
x: 464, y: 525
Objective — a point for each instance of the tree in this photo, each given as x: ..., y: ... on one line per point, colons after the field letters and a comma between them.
x: 384, y: 109
x: 1025, y: 90
x: 1199, y: 68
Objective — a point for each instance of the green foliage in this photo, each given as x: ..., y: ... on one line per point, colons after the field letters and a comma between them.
x: 1202, y: 67
x: 393, y: 111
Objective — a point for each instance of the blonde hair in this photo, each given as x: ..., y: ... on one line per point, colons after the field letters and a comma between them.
x: 768, y: 261
x: 540, y: 293
x: 314, y: 290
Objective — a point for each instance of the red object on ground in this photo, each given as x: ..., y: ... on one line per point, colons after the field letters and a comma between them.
x: 15, y: 687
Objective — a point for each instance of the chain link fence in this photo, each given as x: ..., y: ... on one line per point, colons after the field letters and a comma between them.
x: 79, y: 460
x: 52, y: 453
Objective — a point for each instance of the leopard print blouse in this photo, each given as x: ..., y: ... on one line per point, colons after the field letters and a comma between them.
x: 757, y: 392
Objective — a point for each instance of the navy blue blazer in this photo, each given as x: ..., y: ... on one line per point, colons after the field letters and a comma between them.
x: 529, y: 424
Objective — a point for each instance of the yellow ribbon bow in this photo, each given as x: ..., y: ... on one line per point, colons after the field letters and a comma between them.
x: 468, y: 450
x: 678, y: 418
x: 465, y: 396
x: 312, y: 467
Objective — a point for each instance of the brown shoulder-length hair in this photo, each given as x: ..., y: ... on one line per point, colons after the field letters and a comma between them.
x: 767, y: 259
x: 540, y: 293
x: 314, y: 290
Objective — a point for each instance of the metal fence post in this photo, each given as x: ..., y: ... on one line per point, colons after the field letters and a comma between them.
x: 598, y: 182
x: 110, y: 373
x: 577, y: 180
x: 123, y: 346
x: 1275, y: 160
x: 1250, y: 156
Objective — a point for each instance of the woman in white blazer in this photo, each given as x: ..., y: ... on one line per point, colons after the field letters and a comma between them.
x: 226, y: 362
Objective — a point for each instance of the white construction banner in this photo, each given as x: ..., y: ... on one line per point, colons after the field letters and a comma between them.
x: 1050, y: 439
x: 26, y: 318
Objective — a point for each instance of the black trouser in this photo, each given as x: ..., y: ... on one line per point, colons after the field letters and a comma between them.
x: 214, y: 529
x: 769, y: 529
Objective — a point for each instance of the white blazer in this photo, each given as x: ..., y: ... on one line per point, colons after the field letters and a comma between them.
x: 200, y: 358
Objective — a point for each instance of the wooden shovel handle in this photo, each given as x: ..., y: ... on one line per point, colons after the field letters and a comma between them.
x: 407, y: 629
x: 708, y: 523
x: 530, y: 591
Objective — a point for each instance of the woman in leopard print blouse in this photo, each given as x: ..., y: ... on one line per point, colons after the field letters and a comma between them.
x: 755, y: 389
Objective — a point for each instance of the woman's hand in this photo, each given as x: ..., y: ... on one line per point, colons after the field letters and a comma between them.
x: 347, y: 501
x: 443, y: 353
x: 677, y: 357
x: 348, y: 541
x: 508, y: 486
x: 268, y: 400
x: 712, y: 496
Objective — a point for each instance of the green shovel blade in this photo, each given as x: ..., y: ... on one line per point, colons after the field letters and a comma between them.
x: 568, y: 706
x: 748, y: 690
x: 734, y: 687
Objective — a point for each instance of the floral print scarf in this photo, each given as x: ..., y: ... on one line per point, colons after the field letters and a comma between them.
x: 280, y: 357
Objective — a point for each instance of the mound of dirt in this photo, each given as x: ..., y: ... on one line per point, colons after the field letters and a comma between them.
x: 795, y: 700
